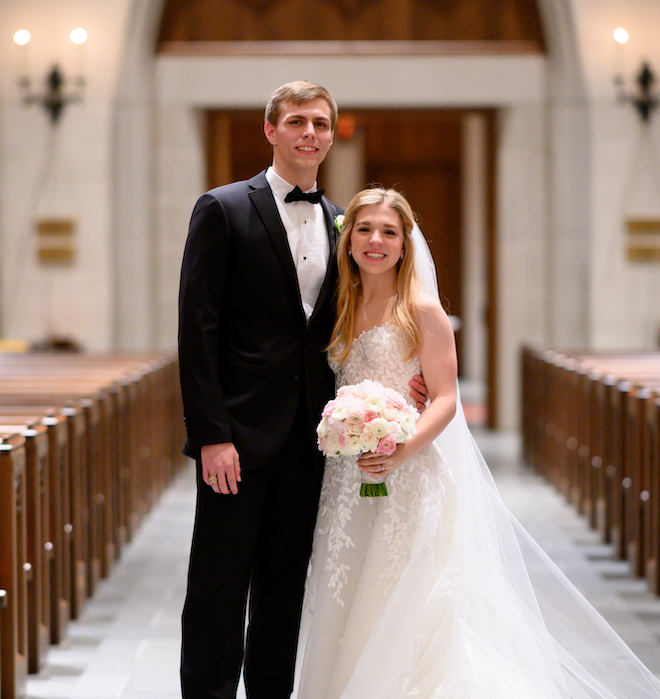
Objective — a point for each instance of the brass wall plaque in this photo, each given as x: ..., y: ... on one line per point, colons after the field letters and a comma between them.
x: 55, y: 241
x: 640, y: 253
x: 643, y: 226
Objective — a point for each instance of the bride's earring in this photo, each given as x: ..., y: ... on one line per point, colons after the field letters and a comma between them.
x: 401, y: 258
x: 350, y: 254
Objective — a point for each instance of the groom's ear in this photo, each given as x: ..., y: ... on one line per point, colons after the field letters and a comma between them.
x: 270, y: 133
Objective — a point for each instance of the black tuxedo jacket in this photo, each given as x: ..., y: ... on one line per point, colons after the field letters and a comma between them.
x: 247, y: 354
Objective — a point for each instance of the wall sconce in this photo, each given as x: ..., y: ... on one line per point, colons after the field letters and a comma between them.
x: 54, y: 97
x: 643, y: 99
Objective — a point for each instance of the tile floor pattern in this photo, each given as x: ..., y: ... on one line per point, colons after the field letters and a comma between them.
x: 126, y: 644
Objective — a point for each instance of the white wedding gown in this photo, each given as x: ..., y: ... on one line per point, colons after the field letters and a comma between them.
x: 408, y: 596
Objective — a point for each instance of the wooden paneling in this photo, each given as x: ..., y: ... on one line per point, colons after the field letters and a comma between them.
x: 351, y: 20
x: 237, y: 148
x: 419, y: 153
x: 492, y: 279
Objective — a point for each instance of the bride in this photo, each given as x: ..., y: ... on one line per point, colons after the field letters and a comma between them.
x: 433, y: 590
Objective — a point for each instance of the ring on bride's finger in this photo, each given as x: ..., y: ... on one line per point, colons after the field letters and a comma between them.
x: 212, y: 480
x: 382, y: 468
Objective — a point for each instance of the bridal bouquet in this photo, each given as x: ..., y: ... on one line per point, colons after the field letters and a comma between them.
x: 366, y: 417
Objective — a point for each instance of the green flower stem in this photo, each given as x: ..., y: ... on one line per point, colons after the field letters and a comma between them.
x: 373, y: 490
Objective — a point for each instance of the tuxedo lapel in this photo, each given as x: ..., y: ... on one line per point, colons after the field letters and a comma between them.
x: 330, y: 225
x: 330, y: 276
x: 261, y: 196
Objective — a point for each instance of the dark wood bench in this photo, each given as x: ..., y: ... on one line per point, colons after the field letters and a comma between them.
x: 60, y: 515
x: 14, y: 568
x: 588, y: 426
x: 88, y: 488
x: 100, y: 438
x: 39, y: 547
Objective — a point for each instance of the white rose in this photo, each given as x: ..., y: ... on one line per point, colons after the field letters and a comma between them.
x: 375, y: 403
x: 390, y: 413
x: 379, y: 427
x: 407, y: 423
x: 369, y: 441
x: 353, y: 446
x: 332, y: 447
x: 355, y: 416
x: 396, y: 433
x: 339, y: 413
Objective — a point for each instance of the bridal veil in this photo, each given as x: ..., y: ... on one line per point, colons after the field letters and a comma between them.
x: 513, y: 598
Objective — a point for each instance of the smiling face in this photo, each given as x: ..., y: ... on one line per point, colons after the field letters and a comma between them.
x: 301, y: 140
x: 376, y: 240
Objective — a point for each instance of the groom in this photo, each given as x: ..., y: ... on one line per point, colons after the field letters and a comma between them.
x: 256, y: 312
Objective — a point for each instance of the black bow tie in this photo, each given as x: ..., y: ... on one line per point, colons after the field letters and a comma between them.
x: 296, y: 194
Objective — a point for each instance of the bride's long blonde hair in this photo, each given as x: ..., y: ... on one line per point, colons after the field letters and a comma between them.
x: 349, y: 289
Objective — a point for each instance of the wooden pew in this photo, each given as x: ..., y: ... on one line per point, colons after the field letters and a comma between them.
x: 119, y: 376
x: 599, y: 410
x: 3, y: 605
x: 629, y: 490
x: 591, y: 460
x: 652, y: 459
x: 60, y: 527
x: 113, y: 431
x: 74, y: 515
x: 38, y: 544
x: 643, y: 465
x: 604, y: 454
x: 86, y: 494
x: 101, y: 490
x: 14, y: 568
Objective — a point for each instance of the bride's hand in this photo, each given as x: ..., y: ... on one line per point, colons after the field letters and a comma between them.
x: 419, y: 392
x: 380, y: 465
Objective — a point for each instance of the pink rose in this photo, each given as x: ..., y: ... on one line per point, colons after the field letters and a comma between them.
x: 330, y: 406
x: 395, y: 399
x: 369, y: 415
x: 386, y: 446
x: 357, y: 415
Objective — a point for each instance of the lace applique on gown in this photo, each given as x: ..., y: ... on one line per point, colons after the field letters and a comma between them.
x: 381, y: 612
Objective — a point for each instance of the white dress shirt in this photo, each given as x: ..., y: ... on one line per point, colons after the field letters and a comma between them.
x: 308, y: 239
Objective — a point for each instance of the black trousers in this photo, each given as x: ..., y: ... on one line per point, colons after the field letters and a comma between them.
x: 256, y: 543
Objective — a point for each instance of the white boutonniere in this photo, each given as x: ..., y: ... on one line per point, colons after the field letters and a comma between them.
x: 339, y: 222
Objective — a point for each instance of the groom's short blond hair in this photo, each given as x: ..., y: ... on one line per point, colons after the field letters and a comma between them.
x: 298, y: 92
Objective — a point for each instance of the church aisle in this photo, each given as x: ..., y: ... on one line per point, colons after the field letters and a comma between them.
x: 126, y: 644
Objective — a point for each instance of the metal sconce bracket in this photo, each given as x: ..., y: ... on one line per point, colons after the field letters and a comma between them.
x: 643, y: 100
x: 54, y: 98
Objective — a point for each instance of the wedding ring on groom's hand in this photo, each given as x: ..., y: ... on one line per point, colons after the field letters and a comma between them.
x: 212, y: 480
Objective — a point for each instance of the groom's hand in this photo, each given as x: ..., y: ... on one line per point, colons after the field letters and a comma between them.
x: 221, y: 468
x: 419, y: 393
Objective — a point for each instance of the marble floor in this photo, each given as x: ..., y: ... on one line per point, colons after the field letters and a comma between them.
x: 126, y: 643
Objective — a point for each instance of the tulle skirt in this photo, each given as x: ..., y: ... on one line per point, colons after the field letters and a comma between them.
x: 437, y: 591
